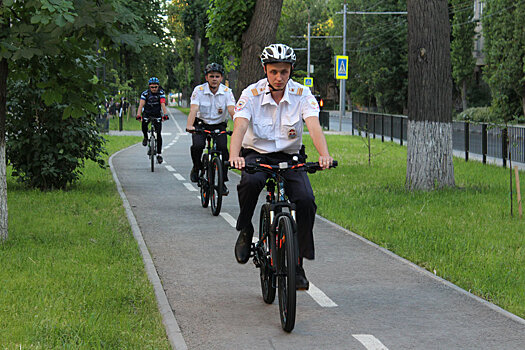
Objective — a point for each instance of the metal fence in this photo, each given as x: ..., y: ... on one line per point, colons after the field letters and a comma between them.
x: 476, y: 138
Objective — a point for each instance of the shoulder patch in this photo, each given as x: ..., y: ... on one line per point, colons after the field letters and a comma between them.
x: 241, y: 103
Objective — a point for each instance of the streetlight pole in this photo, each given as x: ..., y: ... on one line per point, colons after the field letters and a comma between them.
x: 308, y: 47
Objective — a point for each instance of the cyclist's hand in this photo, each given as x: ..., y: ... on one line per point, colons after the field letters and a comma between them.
x: 139, y: 117
x: 165, y: 117
x: 325, y: 161
x: 190, y: 128
x: 237, y: 162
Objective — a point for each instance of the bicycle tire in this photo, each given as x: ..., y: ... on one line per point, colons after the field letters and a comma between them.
x: 266, y: 274
x: 153, y: 151
x: 216, y: 183
x: 204, y: 184
x: 286, y: 261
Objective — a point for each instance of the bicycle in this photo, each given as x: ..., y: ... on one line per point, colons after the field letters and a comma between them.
x: 152, y: 141
x: 276, y: 252
x: 211, y: 177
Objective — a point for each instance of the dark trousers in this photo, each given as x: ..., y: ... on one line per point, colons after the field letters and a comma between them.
x: 297, y: 188
x: 157, y: 123
x: 199, y: 142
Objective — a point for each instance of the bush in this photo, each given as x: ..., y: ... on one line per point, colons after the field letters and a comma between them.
x: 478, y: 114
x: 45, y: 150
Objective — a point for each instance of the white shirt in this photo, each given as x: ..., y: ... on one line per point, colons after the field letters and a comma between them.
x: 213, y: 108
x: 275, y: 127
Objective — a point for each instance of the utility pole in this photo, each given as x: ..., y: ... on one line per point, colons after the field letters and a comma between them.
x: 308, y: 48
x: 342, y: 87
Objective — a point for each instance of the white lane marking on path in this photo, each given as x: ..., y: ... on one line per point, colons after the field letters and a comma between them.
x: 199, y: 197
x: 170, y: 168
x: 190, y: 187
x: 229, y: 219
x: 370, y: 342
x: 179, y: 177
x: 319, y: 297
x: 165, y: 133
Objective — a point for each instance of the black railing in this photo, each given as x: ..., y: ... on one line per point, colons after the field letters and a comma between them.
x: 487, y: 140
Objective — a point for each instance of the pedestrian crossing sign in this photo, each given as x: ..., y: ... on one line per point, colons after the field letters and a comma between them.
x: 341, y: 67
x: 308, y: 81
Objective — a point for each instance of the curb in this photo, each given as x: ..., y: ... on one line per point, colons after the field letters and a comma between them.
x: 168, y: 318
x: 428, y: 273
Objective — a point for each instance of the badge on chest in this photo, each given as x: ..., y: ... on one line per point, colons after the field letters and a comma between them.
x: 219, y: 110
x: 292, y: 133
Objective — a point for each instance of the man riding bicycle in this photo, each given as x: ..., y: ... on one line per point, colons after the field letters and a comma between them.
x: 153, y: 101
x: 268, y: 125
x: 211, y: 103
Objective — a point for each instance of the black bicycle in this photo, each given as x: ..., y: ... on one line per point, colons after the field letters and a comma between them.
x: 276, y: 252
x: 152, y: 141
x: 211, y: 177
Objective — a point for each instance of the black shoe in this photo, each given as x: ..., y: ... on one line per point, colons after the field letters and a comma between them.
x: 159, y: 159
x: 243, y: 245
x: 225, y: 190
x: 194, y: 175
x: 301, y: 282
x: 144, y: 141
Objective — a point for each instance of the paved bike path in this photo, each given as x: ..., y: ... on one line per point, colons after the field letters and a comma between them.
x: 363, y: 297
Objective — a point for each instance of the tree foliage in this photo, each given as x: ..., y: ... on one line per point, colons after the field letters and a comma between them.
x: 505, y: 57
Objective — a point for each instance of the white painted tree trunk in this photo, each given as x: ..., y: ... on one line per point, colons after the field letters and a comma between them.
x: 429, y: 155
x: 3, y: 194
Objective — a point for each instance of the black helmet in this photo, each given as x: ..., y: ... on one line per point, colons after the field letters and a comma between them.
x: 213, y: 67
x: 278, y: 53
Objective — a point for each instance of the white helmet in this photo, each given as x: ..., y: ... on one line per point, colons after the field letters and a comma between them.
x: 278, y: 53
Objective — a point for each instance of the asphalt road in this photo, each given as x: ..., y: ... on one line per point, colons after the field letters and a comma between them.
x: 361, y: 296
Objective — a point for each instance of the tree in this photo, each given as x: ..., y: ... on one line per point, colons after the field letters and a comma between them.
x: 257, y: 33
x: 461, y: 45
x: 505, y: 58
x: 429, y: 148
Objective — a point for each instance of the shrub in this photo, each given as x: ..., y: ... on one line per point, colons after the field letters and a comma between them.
x: 45, y: 150
x: 478, y: 114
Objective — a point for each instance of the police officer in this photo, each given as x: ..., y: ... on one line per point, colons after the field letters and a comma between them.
x: 268, y: 124
x: 153, y: 101
x: 211, y: 103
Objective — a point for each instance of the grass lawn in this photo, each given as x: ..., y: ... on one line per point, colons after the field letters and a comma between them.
x: 72, y: 275
x: 465, y: 235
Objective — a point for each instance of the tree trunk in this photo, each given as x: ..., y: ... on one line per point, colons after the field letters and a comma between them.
x: 260, y: 33
x: 3, y: 180
x: 464, y: 94
x: 196, y: 59
x: 429, y: 147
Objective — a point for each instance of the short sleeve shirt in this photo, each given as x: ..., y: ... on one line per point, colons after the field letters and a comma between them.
x: 213, y: 108
x: 275, y: 127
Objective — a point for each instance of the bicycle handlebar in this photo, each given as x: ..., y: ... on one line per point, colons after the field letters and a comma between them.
x: 310, y: 167
x: 210, y: 132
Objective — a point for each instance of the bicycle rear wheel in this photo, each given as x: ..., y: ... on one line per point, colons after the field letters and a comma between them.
x: 152, y: 151
x: 286, y: 260
x: 216, y: 183
x: 204, y: 183
x: 265, y: 256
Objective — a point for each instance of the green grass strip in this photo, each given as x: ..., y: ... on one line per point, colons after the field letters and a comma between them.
x: 465, y: 235
x: 72, y: 274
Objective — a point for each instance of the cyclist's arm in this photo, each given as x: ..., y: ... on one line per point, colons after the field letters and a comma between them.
x: 316, y: 133
x: 231, y: 111
x: 191, y: 117
x: 240, y: 125
x: 139, y: 109
x: 164, y: 109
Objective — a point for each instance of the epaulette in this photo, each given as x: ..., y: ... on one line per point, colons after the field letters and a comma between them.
x: 298, y: 91
x: 255, y: 92
x: 226, y: 89
x: 201, y: 88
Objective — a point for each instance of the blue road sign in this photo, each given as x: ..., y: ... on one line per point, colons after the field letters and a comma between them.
x: 341, y: 67
x: 308, y: 81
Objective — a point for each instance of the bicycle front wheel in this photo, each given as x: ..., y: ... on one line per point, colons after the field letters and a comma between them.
x: 286, y: 261
x: 216, y: 184
x: 152, y: 151
x: 204, y: 183
x: 266, y: 248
